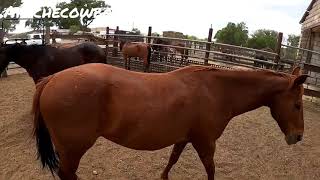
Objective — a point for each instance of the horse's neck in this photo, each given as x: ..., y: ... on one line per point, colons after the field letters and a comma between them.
x: 27, y: 59
x: 246, y: 91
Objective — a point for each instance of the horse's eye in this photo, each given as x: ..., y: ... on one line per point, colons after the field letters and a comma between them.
x: 298, y: 106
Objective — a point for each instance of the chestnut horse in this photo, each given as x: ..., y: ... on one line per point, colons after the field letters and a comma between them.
x: 43, y: 60
x: 151, y: 111
x: 139, y: 50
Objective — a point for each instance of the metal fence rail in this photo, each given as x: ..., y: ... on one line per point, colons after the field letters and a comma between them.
x: 220, y: 55
x: 223, y: 53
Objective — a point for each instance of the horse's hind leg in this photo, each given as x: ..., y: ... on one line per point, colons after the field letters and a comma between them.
x: 70, y: 158
x: 205, y: 151
x: 69, y: 163
x: 175, y: 154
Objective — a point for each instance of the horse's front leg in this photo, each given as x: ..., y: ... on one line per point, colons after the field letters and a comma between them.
x: 175, y: 154
x: 205, y: 150
x: 125, y: 61
x: 129, y: 59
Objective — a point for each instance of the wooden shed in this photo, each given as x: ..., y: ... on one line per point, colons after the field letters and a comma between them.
x: 310, y: 39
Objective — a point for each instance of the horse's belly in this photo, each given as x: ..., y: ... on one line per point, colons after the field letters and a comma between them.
x: 145, y: 140
x: 148, y: 133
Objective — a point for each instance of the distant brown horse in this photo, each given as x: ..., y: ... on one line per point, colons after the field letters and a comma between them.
x: 151, y: 111
x: 139, y: 50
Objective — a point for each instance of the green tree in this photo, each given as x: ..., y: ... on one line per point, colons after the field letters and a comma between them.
x: 9, y: 25
x: 38, y: 24
x: 74, y: 29
x: 87, y: 4
x: 263, y: 38
x: 235, y: 34
x: 135, y: 31
x: 155, y: 34
x: 290, y: 53
x: 191, y: 37
x: 293, y: 40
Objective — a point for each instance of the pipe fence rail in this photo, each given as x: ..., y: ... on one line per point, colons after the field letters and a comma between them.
x: 200, y: 52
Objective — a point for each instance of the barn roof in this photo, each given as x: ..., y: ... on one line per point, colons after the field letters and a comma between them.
x: 305, y: 15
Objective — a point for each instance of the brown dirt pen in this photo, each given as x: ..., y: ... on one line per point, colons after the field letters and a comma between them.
x: 251, y: 147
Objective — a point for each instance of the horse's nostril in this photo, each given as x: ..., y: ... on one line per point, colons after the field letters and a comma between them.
x: 299, y: 137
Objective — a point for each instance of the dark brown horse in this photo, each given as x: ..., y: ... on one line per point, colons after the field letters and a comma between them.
x: 160, y: 51
x: 264, y: 57
x: 179, y: 47
x: 43, y: 60
x: 139, y: 50
x: 151, y: 111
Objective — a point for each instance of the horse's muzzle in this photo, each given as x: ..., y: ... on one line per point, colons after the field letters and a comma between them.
x: 293, y: 139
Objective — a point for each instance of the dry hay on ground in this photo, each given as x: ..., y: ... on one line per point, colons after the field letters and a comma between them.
x: 252, y: 147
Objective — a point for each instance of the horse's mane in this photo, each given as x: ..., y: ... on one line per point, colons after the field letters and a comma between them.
x: 18, y: 49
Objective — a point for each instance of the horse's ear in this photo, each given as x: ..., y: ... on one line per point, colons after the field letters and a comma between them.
x: 300, y: 80
x: 296, y: 71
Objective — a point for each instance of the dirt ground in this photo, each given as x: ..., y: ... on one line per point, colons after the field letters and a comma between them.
x: 251, y: 147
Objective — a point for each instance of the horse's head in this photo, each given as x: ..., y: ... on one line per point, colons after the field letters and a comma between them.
x: 287, y: 108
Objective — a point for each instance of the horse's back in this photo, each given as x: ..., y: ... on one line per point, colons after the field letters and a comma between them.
x: 92, y: 52
x: 139, y: 49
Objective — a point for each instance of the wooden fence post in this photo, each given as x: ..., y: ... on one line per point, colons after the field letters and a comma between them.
x: 115, y: 43
x: 149, y: 34
x: 107, y: 43
x: 208, y: 46
x: 278, y: 49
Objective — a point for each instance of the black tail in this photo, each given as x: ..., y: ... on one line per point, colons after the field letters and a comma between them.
x: 44, y: 145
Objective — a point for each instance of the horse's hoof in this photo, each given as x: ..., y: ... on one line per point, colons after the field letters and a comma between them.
x: 164, y: 177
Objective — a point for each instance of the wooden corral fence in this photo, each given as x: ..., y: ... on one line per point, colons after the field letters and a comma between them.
x: 203, y: 53
x: 313, y: 70
x: 216, y: 54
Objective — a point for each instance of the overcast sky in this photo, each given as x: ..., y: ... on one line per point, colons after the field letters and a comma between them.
x: 192, y: 17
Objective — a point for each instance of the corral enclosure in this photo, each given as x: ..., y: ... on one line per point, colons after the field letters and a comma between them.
x: 215, y: 54
x: 252, y: 147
